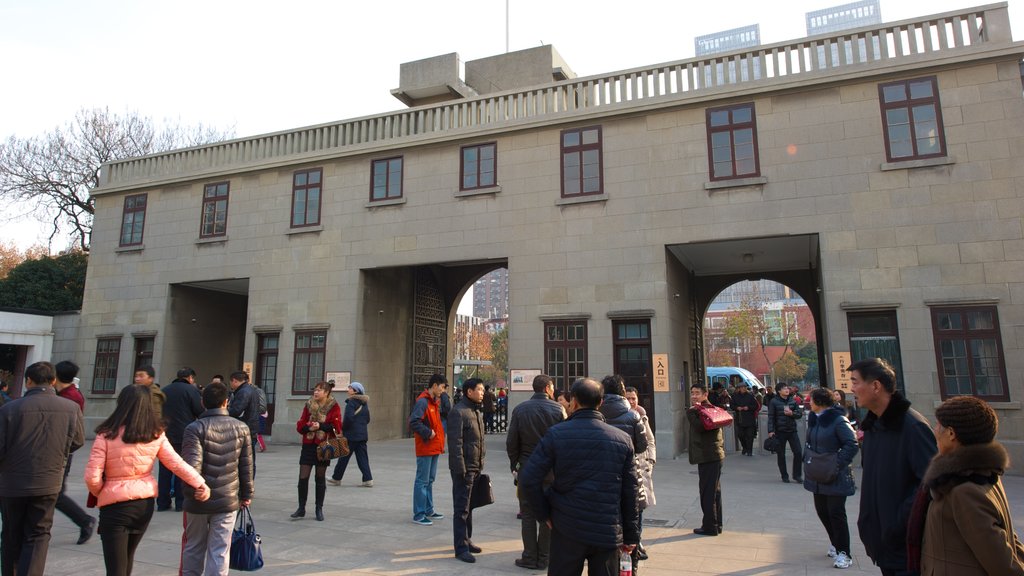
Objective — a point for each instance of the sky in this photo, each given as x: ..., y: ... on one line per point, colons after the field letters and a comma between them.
x: 256, y: 66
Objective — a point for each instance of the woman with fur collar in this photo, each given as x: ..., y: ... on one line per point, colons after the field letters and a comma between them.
x: 960, y: 523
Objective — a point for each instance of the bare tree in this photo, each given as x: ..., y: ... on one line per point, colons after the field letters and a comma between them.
x: 54, y: 173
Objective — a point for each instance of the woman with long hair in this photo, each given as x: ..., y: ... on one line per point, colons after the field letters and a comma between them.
x: 829, y: 432
x: 120, y: 475
x: 321, y: 418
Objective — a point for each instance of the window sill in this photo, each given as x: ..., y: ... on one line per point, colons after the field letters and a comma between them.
x: 736, y: 183
x: 1012, y: 405
x: 213, y: 240
x: 581, y: 199
x: 479, y: 191
x: 305, y: 230
x: 925, y: 163
x: 135, y: 248
x: 388, y: 202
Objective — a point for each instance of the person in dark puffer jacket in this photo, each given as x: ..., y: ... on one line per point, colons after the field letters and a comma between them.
x: 783, y: 412
x: 354, y: 427
x: 220, y: 448
x: 466, y: 451
x: 592, y: 504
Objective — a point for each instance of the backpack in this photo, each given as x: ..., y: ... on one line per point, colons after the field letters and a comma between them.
x: 261, y: 404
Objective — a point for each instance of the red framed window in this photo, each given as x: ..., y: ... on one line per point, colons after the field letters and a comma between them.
x: 309, y: 360
x: 306, y: 189
x: 969, y: 352
x: 386, y: 183
x: 582, y: 172
x: 144, y: 351
x: 912, y: 119
x: 104, y: 375
x: 479, y: 166
x: 133, y: 220
x: 565, y: 351
x: 215, y: 210
x: 732, y: 142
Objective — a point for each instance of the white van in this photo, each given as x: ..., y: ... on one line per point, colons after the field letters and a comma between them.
x: 726, y: 375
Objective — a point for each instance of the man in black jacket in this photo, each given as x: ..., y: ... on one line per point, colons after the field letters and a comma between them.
x: 181, y: 407
x: 898, y: 446
x: 591, y: 507
x: 783, y: 413
x: 745, y: 405
x: 529, y: 421
x: 245, y: 405
x: 466, y: 462
x: 220, y: 448
x: 37, y: 432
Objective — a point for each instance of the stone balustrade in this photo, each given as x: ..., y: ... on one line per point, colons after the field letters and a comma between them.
x: 823, y: 56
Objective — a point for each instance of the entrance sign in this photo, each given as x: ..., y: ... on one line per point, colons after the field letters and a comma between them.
x: 522, y: 380
x: 840, y: 377
x: 660, y: 362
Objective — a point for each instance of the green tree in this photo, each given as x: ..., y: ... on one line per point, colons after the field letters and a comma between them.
x: 808, y: 354
x: 789, y: 368
x: 49, y: 284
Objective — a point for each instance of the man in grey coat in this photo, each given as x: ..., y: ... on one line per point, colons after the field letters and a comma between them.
x: 220, y: 448
x: 37, y: 432
x: 529, y: 421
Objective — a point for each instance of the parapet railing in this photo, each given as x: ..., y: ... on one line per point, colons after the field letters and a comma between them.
x: 818, y: 55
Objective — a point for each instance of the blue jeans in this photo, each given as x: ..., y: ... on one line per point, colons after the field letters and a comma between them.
x: 423, y: 488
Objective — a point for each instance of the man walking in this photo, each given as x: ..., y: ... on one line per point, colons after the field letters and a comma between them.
x: 425, y: 423
x: 591, y: 507
x: 220, y: 448
x: 37, y: 432
x: 746, y: 407
x: 783, y: 413
x: 528, y: 424
x: 67, y: 373
x: 245, y: 405
x: 466, y: 462
x: 898, y: 446
x: 707, y: 451
x: 181, y: 408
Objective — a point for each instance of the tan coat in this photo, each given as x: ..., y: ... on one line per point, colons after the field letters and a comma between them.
x: 968, y: 530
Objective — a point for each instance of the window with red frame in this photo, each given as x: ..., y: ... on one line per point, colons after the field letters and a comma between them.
x: 309, y: 360
x: 565, y: 351
x: 912, y: 119
x: 732, y: 142
x: 215, y: 210
x: 581, y: 162
x: 479, y: 166
x: 386, y: 183
x: 969, y: 352
x: 104, y: 375
x: 306, y: 189
x: 133, y: 220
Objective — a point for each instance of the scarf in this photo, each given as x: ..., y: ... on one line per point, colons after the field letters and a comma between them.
x: 318, y: 413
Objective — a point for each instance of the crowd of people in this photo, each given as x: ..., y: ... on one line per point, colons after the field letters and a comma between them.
x: 931, y: 501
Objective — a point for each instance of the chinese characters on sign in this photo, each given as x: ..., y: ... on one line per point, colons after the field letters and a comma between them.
x: 660, y: 372
x: 840, y: 377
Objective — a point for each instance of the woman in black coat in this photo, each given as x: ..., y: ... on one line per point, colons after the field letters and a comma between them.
x: 354, y: 427
x: 829, y: 432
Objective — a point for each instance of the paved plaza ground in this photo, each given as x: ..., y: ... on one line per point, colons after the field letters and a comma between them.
x: 770, y: 527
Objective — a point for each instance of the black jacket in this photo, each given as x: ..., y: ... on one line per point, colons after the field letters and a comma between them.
x: 898, y: 446
x: 831, y: 433
x: 745, y: 418
x: 37, y: 432
x: 181, y: 408
x: 220, y: 448
x: 703, y: 446
x: 244, y: 405
x: 527, y: 425
x: 593, y: 498
x: 778, y: 422
x: 356, y: 419
x: 465, y: 438
x: 617, y: 413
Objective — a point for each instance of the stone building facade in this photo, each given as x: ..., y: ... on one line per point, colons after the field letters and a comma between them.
x: 876, y: 172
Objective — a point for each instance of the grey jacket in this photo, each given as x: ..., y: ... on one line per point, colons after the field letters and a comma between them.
x: 37, y: 432
x: 465, y: 438
x: 220, y: 448
x: 527, y: 425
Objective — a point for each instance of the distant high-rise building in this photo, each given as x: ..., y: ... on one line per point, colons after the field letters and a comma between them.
x: 843, y: 17
x: 727, y: 40
x: 490, y: 295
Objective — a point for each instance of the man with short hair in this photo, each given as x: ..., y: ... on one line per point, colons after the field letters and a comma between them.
x: 220, y: 448
x: 67, y: 373
x: 746, y: 407
x: 244, y: 405
x: 425, y: 423
x: 181, y: 408
x: 707, y: 450
x: 783, y: 413
x: 591, y: 507
x: 898, y: 446
x: 529, y: 422
x: 466, y: 462
x: 146, y: 376
x: 37, y: 432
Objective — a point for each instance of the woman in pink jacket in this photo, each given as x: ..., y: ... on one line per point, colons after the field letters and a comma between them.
x: 120, y: 475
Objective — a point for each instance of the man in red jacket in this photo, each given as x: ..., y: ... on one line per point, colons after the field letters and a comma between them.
x: 67, y: 372
x: 425, y: 423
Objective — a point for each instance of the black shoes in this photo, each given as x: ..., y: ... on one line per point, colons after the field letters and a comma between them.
x: 466, y: 557
x: 524, y: 564
x: 319, y: 513
x: 798, y: 479
x: 706, y: 531
x: 86, y: 532
x: 786, y: 480
x: 299, y: 513
x: 474, y: 548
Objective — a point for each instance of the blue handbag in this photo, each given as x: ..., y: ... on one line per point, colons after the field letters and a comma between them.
x: 246, y: 545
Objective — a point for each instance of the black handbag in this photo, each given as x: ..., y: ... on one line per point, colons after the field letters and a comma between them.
x: 246, y: 544
x: 482, y: 494
x: 771, y: 444
x: 820, y: 467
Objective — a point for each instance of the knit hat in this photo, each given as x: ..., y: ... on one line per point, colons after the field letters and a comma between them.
x: 973, y: 420
x: 357, y: 387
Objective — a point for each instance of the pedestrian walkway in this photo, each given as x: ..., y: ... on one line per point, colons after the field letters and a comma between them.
x: 770, y: 527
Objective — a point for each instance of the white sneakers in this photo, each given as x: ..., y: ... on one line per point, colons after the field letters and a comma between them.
x: 831, y: 551
x: 843, y: 561
x: 367, y: 484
